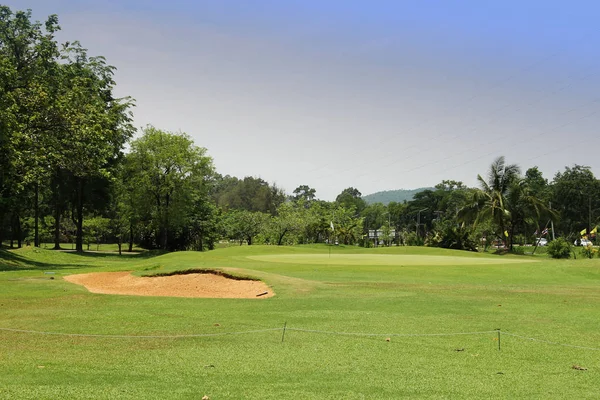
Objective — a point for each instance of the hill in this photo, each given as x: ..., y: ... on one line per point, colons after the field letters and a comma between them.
x: 387, y: 196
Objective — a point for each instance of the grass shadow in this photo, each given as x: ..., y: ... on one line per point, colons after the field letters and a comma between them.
x: 10, y: 261
x: 13, y: 261
x: 137, y: 255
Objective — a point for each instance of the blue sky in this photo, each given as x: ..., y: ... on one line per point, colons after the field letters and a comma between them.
x: 377, y: 95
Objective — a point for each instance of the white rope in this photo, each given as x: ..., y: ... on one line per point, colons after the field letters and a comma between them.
x: 295, y: 330
x: 138, y: 336
x: 389, y: 334
x: 548, y: 342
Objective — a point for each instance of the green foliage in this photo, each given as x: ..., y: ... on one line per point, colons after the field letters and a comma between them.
x: 305, y: 193
x: 59, y: 119
x: 520, y: 250
x: 250, y: 194
x: 350, y: 198
x: 171, y: 180
x: 412, y: 239
x: 96, y: 230
x: 447, y: 234
x: 559, y: 248
x: 575, y: 193
x: 589, y: 251
x: 291, y: 220
x: 243, y: 225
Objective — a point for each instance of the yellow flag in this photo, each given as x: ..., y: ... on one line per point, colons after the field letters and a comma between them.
x: 506, y: 233
x: 583, y: 232
x: 595, y: 230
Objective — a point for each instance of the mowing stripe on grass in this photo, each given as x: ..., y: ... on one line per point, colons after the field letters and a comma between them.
x: 386, y: 259
x: 548, y: 342
x: 138, y: 336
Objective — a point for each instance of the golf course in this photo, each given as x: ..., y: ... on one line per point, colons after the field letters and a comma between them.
x: 340, y: 322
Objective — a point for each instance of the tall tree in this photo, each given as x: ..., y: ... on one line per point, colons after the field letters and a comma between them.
x: 490, y: 202
x: 350, y: 198
x: 28, y: 54
x: 177, y: 175
x: 304, y: 192
x: 97, y: 124
x: 576, y: 195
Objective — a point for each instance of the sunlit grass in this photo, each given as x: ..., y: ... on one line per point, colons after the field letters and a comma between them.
x: 558, y: 301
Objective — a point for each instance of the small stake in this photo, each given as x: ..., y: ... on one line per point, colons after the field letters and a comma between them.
x: 283, y: 334
x: 498, y: 339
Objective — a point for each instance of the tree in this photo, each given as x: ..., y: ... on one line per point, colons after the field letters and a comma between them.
x: 348, y: 226
x: 350, y: 198
x: 59, y: 119
x: 576, y: 195
x: 537, y: 184
x: 98, y: 124
x: 489, y: 203
x: 289, y: 221
x: 304, y: 192
x: 28, y: 56
x: 176, y: 175
x: 525, y: 208
x: 243, y: 225
x: 251, y: 194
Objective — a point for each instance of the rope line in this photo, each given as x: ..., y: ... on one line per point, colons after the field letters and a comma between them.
x: 358, y: 334
x: 549, y: 342
x: 139, y: 336
x: 388, y: 334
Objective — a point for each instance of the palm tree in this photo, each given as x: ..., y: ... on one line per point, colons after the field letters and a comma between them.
x: 490, y: 203
x: 506, y: 200
x: 500, y: 179
x: 525, y: 208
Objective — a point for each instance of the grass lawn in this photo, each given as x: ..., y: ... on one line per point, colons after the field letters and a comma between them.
x: 339, y: 308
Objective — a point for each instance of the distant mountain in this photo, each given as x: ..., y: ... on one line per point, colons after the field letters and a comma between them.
x: 387, y: 196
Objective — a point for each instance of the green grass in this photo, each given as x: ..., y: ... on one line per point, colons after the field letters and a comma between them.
x: 373, y: 291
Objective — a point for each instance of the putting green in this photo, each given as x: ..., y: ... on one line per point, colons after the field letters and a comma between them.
x: 384, y: 259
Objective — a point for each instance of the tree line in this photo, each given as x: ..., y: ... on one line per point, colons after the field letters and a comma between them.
x: 65, y: 176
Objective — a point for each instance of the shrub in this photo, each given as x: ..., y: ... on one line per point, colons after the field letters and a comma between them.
x: 589, y: 251
x: 559, y: 248
x: 411, y: 239
x: 448, y: 235
x: 518, y: 250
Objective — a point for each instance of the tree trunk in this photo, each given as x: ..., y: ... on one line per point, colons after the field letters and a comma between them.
x: 120, y: 243
x: 281, y: 238
x: 166, y: 227
x: 57, y: 214
x: 36, y: 239
x: 1, y: 229
x: 57, y: 228
x: 79, y: 219
x: 19, y: 233
x: 130, y: 237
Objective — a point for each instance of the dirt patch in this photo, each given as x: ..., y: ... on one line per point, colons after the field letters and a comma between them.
x: 205, y: 285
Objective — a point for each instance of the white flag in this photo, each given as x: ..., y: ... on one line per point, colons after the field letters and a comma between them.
x: 331, y: 223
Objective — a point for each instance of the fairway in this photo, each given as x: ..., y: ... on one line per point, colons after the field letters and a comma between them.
x: 385, y: 259
x: 364, y: 324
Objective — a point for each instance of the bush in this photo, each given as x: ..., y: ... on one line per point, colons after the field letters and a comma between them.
x: 559, y: 248
x: 448, y: 235
x: 411, y: 239
x: 518, y: 250
x: 589, y: 251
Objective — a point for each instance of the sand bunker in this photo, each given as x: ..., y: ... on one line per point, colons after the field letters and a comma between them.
x: 205, y: 285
